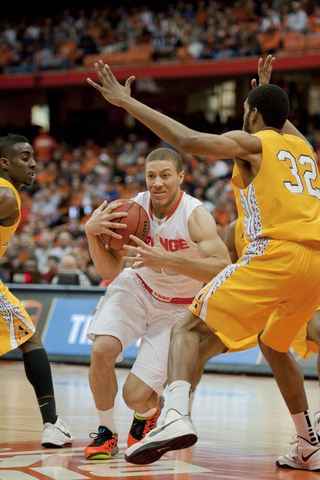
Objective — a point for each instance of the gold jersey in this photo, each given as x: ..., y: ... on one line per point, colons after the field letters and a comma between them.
x: 7, y: 232
x: 283, y: 200
x: 241, y: 240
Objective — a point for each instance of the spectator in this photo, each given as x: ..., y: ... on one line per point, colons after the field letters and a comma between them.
x: 44, y: 144
x: 46, y: 204
x: 44, y: 250
x: 32, y: 274
x: 69, y: 273
x: 272, y: 18
x: 52, y: 264
x: 297, y: 19
x: 93, y: 274
x: 65, y: 245
x: 270, y: 40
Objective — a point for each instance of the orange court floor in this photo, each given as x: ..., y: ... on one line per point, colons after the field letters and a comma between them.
x: 242, y: 424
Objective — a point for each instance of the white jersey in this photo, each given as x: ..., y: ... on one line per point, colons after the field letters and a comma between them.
x: 164, y: 284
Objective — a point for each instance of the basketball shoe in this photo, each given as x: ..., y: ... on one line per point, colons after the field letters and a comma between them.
x: 305, y: 456
x: 141, y: 426
x: 317, y: 423
x: 103, y: 446
x: 56, y: 435
x: 175, y: 433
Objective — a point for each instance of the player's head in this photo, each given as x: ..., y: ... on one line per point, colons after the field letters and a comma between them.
x: 166, y: 154
x: 271, y: 102
x: 164, y: 176
x: 17, y: 162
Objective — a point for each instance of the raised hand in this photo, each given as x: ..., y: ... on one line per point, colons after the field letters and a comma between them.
x: 153, y: 257
x: 264, y: 72
x: 100, y: 220
x: 110, y: 88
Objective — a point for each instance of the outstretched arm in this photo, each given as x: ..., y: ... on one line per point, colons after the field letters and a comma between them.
x: 239, y: 144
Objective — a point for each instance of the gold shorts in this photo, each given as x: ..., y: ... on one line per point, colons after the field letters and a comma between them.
x: 273, y: 288
x: 16, y: 326
x: 302, y: 346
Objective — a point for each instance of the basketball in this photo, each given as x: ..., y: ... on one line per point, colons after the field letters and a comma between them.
x: 137, y: 223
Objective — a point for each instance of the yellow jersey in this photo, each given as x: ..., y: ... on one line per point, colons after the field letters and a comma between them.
x: 283, y: 200
x: 7, y: 232
x: 241, y: 240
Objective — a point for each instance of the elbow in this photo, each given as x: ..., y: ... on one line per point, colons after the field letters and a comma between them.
x: 184, y: 143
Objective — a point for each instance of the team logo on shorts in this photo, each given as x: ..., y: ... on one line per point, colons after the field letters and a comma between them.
x: 7, y: 242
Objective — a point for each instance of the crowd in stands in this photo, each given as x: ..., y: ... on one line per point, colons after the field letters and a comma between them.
x: 200, y: 30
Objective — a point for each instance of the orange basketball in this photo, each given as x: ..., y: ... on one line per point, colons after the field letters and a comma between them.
x: 137, y: 223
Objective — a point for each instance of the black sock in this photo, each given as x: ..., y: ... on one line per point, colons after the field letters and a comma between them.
x: 38, y: 372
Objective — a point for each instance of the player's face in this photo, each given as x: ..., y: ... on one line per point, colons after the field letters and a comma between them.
x: 22, y: 165
x: 163, y: 183
x: 246, y: 115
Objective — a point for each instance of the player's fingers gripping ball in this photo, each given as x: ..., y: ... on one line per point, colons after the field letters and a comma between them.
x: 137, y: 222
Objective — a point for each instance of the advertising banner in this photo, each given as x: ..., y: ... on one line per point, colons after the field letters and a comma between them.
x: 62, y: 315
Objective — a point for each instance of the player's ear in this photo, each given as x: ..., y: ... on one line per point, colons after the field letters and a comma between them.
x: 181, y: 177
x: 254, y: 115
x: 4, y: 163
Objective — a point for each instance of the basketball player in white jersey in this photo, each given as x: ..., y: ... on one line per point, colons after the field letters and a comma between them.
x: 182, y: 251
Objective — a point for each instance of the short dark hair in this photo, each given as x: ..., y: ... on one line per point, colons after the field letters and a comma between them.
x: 272, y: 103
x: 165, y: 154
x: 7, y: 142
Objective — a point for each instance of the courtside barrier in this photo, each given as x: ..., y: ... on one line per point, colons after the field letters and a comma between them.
x: 62, y: 314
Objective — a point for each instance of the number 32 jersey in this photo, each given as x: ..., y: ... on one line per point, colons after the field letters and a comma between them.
x: 283, y: 201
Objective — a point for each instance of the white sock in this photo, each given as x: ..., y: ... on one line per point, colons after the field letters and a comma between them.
x: 191, y: 401
x: 147, y: 414
x: 319, y: 401
x: 304, y: 426
x: 106, y: 419
x: 179, y: 394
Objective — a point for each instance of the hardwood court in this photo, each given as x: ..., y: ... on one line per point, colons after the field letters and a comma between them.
x: 242, y: 424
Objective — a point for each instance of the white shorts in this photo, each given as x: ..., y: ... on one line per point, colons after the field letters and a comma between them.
x: 128, y: 312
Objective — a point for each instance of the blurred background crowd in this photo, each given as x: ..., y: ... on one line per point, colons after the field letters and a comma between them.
x: 199, y: 30
x: 74, y: 177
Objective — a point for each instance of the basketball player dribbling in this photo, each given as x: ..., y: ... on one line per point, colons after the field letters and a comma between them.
x: 182, y: 251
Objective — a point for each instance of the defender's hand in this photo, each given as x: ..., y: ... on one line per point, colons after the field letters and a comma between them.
x: 264, y: 72
x: 110, y: 88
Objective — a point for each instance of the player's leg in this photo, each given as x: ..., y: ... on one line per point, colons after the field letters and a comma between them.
x: 178, y: 431
x: 17, y: 330
x: 313, y: 334
x: 283, y: 326
x: 290, y: 380
x: 210, y: 347
x: 119, y: 321
x: 104, y: 387
x: 146, y: 404
x: 144, y: 387
x: 38, y: 371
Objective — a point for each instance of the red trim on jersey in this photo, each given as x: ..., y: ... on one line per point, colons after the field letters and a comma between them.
x: 163, y: 298
x: 172, y: 211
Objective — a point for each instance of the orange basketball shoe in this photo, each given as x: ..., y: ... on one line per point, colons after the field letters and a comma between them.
x: 103, y: 446
x: 141, y: 426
